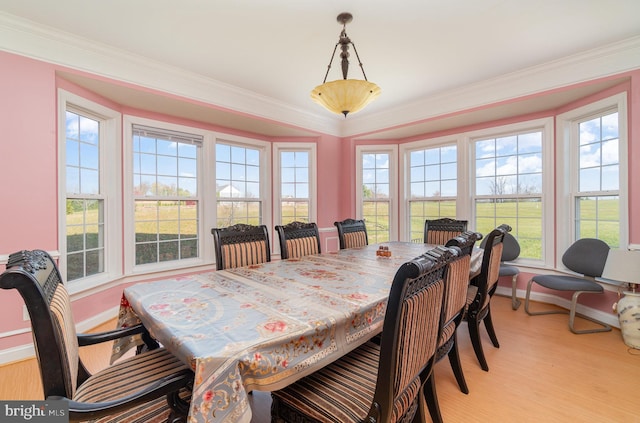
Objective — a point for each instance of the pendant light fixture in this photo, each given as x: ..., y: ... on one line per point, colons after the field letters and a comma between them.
x: 344, y: 96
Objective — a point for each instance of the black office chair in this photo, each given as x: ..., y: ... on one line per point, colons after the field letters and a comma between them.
x: 298, y: 239
x: 241, y: 245
x: 352, y: 233
x: 439, y: 231
x: 586, y: 256
x: 149, y: 386
x: 510, y: 252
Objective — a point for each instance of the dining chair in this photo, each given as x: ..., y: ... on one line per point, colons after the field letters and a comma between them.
x: 352, y: 233
x: 241, y: 245
x: 146, y: 386
x: 455, y: 302
x: 510, y: 252
x: 379, y: 382
x: 439, y: 231
x: 298, y: 239
x: 586, y: 257
x: 481, y: 290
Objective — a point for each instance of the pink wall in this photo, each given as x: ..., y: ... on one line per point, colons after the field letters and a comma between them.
x: 28, y: 166
x: 29, y: 155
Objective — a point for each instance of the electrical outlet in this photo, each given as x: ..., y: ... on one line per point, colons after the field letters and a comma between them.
x: 25, y: 313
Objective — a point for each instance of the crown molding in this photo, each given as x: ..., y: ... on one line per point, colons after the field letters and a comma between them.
x: 26, y: 38
x: 597, y: 63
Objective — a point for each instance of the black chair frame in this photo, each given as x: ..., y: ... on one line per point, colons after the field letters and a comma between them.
x: 349, y: 226
x: 238, y: 233
x: 479, y: 310
x: 35, y: 276
x: 444, y: 224
x: 296, y: 230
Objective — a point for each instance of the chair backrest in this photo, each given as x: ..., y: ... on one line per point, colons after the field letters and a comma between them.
x: 410, y: 335
x: 352, y: 233
x: 465, y: 241
x: 37, y: 279
x: 439, y: 231
x: 457, y: 281
x: 510, y: 249
x: 487, y: 280
x: 586, y: 256
x: 241, y: 245
x: 298, y: 239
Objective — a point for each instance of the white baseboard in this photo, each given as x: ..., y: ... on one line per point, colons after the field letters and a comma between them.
x: 608, y: 318
x: 23, y: 352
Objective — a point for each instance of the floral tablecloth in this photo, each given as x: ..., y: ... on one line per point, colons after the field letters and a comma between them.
x: 263, y: 327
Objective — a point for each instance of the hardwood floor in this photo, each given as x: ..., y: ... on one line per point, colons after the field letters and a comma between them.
x: 541, y: 373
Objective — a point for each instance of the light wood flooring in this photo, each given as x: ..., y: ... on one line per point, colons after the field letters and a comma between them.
x: 541, y: 373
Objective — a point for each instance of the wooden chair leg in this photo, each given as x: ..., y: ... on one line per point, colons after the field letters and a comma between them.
x: 488, y: 323
x: 432, y: 399
x: 454, y: 360
x: 474, y: 334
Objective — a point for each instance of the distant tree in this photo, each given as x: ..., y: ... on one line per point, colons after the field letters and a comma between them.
x: 366, y: 192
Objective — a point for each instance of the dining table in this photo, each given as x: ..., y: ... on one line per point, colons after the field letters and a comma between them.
x: 265, y: 326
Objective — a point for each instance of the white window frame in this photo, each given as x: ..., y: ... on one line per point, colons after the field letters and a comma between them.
x: 110, y: 183
x: 308, y: 147
x: 545, y: 125
x: 462, y: 204
x: 567, y: 145
x: 392, y: 151
x: 204, y: 186
x: 265, y: 176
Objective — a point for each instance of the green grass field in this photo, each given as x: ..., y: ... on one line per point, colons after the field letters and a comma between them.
x: 175, y: 224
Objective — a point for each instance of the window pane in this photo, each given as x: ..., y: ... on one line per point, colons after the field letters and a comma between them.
x: 375, y: 192
x: 508, y: 188
x: 166, y: 195
x: 599, y: 217
x: 430, y: 182
x: 294, y: 185
x: 84, y: 220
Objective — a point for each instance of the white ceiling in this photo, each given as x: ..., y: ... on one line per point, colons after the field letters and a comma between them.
x: 276, y: 51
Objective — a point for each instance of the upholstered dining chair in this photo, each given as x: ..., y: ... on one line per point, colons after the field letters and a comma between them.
x: 379, y: 382
x: 586, y: 257
x: 510, y: 252
x: 241, y: 245
x: 455, y: 302
x: 352, y: 233
x: 439, y: 231
x: 481, y: 290
x: 298, y: 239
x: 143, y: 388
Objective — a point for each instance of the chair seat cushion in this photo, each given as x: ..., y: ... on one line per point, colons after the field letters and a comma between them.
x: 129, y: 376
x: 472, y: 291
x: 341, y: 392
x: 508, y: 270
x: 567, y: 283
x: 156, y: 411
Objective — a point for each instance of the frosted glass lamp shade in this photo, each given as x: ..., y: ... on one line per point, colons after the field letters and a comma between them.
x: 344, y: 96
